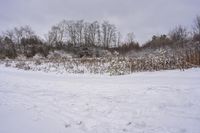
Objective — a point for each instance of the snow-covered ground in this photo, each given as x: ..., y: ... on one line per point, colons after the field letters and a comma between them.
x: 147, y: 102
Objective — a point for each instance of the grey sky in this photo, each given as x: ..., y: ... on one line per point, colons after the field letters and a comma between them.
x: 143, y: 17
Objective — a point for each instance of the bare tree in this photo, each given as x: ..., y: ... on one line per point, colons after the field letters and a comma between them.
x: 108, y: 33
x: 9, y: 34
x: 27, y: 31
x: 10, y: 50
x: 14, y: 36
x: 119, y: 36
x: 87, y: 40
x: 18, y: 35
x: 53, y: 35
x: 179, y: 34
x: 196, y: 28
x: 71, y: 29
x: 79, y: 26
x: 62, y: 31
x: 1, y: 46
x: 130, y: 37
x: 91, y: 33
x: 79, y: 33
x: 21, y: 32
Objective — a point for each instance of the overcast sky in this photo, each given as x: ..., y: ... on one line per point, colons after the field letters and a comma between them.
x: 143, y: 17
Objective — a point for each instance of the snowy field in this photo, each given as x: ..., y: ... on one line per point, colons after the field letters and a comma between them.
x: 147, y: 102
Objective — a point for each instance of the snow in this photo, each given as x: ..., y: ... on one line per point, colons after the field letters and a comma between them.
x: 145, y: 102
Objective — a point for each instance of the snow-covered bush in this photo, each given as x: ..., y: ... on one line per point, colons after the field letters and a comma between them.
x: 22, y: 65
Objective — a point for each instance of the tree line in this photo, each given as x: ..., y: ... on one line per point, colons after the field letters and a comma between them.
x: 74, y: 34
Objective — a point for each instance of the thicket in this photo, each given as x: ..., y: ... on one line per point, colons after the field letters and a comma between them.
x: 179, y: 48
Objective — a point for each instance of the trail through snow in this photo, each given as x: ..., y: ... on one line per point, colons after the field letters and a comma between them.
x: 147, y: 102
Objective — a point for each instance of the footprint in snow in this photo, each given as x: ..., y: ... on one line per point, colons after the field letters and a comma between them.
x: 124, y: 130
x: 67, y: 125
x: 79, y: 123
x: 129, y: 123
